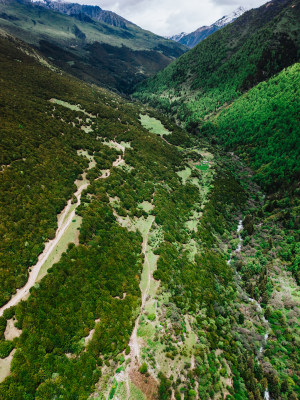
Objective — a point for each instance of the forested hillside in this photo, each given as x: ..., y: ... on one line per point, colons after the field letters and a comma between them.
x: 139, y: 260
x: 100, y: 51
x: 218, y: 70
x: 240, y: 89
x: 262, y: 126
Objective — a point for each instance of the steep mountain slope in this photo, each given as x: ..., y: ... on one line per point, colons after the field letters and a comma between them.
x: 263, y: 127
x: 60, y: 135
x: 257, y: 45
x: 234, y: 88
x: 84, y: 12
x: 114, y: 53
x: 136, y: 299
x: 193, y: 38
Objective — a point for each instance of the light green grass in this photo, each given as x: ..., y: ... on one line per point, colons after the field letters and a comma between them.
x: 192, y: 248
x: 73, y: 107
x: 153, y: 258
x: 146, y: 330
x: 69, y: 236
x: 193, y: 221
x: 135, y: 393
x: 143, y: 224
x: 87, y: 129
x: 146, y: 206
x: 153, y: 125
x: 184, y: 174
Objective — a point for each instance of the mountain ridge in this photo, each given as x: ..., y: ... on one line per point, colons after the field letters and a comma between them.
x: 173, y: 274
x: 110, y: 52
x: 193, y: 38
x: 253, y: 48
x: 94, y: 12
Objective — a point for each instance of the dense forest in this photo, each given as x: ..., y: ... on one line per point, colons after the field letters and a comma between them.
x: 179, y: 279
x: 262, y: 127
x: 51, y: 359
x: 253, y: 48
x: 239, y: 89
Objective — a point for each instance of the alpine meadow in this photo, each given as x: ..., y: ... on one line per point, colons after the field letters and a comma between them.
x: 149, y: 206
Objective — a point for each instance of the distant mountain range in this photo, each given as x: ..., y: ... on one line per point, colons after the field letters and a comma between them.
x: 95, y: 45
x: 86, y: 13
x: 193, y: 38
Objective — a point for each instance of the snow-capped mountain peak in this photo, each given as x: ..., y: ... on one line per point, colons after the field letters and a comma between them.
x: 177, y: 37
x: 227, y: 19
x: 193, y: 38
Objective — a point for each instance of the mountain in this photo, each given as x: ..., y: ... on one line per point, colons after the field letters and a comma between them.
x: 85, y: 12
x: 96, y: 191
x: 177, y: 37
x: 139, y: 260
x: 227, y: 19
x: 257, y: 45
x: 95, y: 45
x: 192, y: 39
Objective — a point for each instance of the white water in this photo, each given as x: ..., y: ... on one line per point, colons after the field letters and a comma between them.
x: 258, y: 306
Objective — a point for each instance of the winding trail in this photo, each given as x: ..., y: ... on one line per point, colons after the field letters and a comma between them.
x: 134, y: 353
x: 116, y: 163
x: 133, y: 342
x: 49, y: 246
x: 62, y: 226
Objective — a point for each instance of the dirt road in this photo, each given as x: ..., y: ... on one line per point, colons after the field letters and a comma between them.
x: 62, y: 226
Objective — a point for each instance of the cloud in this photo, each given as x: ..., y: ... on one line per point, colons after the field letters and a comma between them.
x: 168, y: 17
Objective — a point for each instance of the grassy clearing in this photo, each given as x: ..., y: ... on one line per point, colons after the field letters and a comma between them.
x: 146, y: 206
x: 135, y: 393
x: 192, y: 223
x: 153, y: 125
x: 72, y: 107
x: 143, y: 224
x: 184, y: 174
x: 87, y: 129
x: 70, y: 236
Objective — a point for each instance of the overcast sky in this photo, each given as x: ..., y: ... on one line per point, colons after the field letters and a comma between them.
x: 168, y: 17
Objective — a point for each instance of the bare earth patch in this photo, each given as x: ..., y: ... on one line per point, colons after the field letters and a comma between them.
x: 147, y: 385
x: 11, y: 331
x: 5, y: 366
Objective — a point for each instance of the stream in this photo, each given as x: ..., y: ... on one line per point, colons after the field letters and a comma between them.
x: 258, y: 306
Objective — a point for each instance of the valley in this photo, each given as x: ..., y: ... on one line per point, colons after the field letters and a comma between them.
x: 149, y: 245
x: 94, y: 45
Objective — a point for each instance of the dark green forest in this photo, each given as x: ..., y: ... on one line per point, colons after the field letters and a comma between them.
x: 263, y: 127
x: 218, y: 70
x: 220, y: 317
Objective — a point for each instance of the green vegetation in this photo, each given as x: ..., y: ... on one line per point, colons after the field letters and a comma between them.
x: 263, y: 127
x: 50, y: 358
x: 163, y: 223
x: 260, y: 43
x: 153, y: 125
